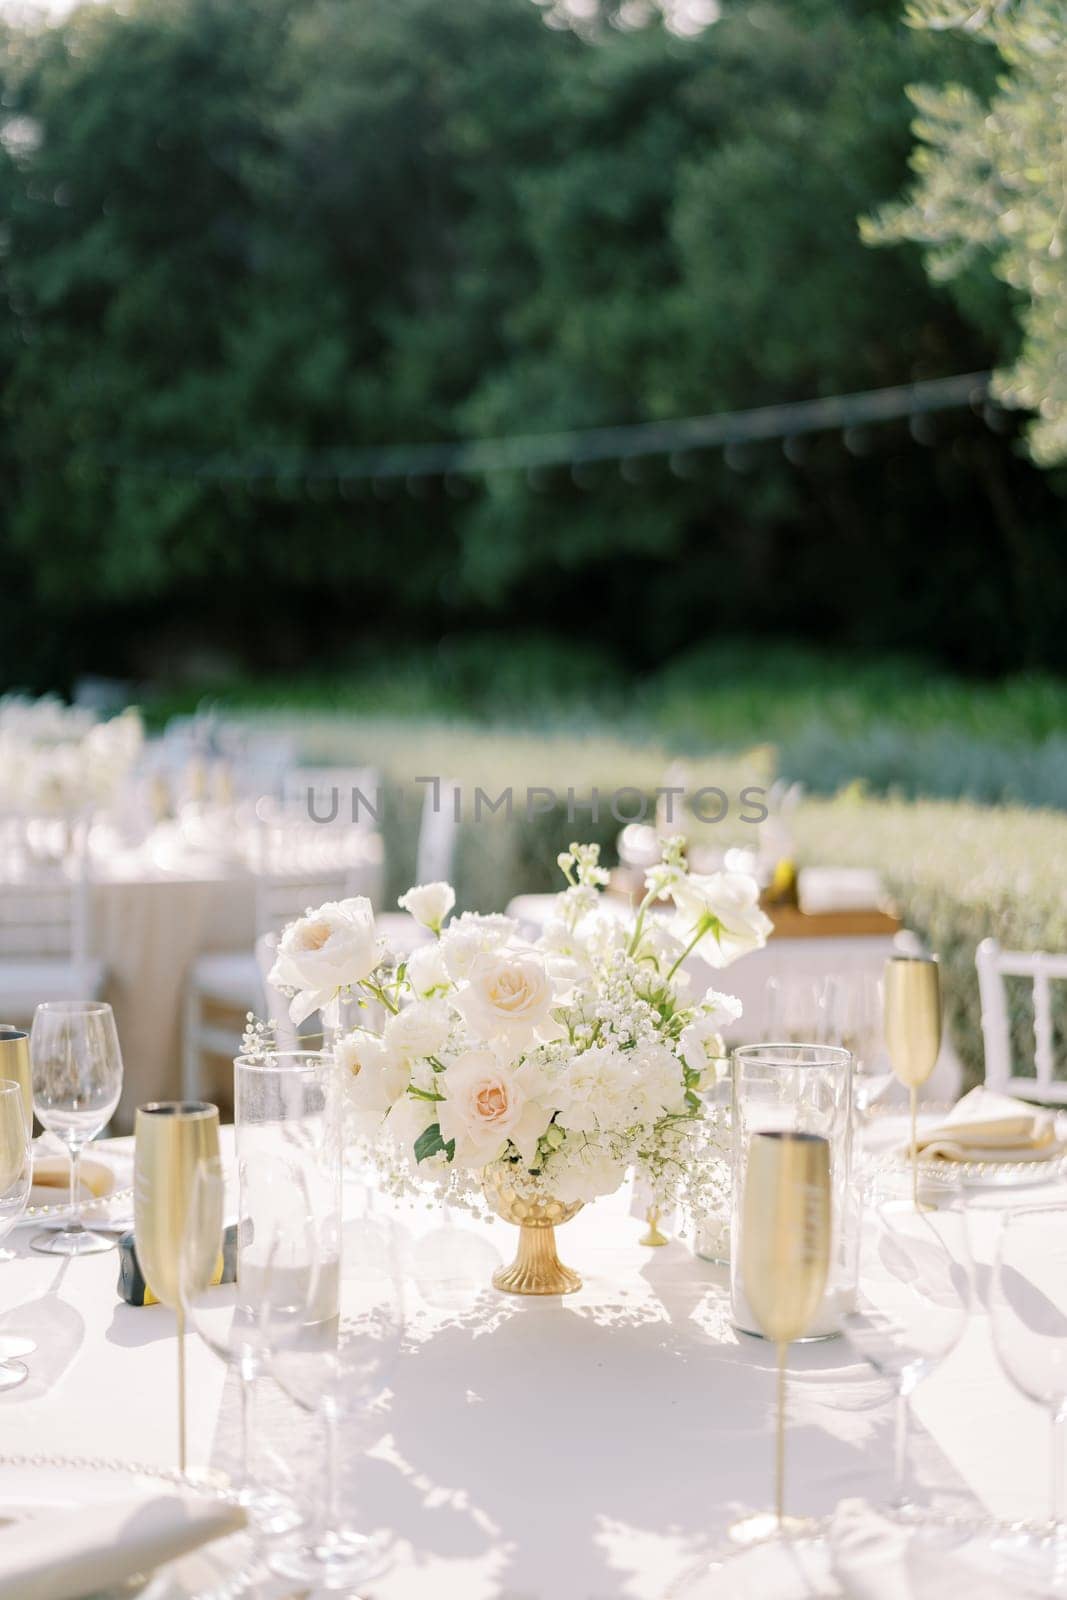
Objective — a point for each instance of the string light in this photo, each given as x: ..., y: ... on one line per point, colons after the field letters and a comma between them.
x: 388, y: 468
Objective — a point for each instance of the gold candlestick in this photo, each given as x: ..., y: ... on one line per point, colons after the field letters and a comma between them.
x: 913, y: 1033
x: 655, y: 1235
x: 172, y: 1139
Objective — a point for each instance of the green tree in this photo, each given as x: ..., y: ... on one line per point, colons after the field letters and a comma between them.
x: 991, y: 191
x: 239, y: 235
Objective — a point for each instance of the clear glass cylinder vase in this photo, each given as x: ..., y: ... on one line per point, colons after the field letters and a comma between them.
x: 288, y: 1109
x: 799, y: 1088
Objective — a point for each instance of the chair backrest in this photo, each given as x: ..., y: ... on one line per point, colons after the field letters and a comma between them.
x: 286, y: 1034
x: 438, y: 827
x: 1040, y: 968
x: 44, y: 905
x: 298, y: 864
x: 334, y: 796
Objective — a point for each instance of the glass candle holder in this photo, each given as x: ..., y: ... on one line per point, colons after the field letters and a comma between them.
x: 797, y: 1088
x: 287, y: 1109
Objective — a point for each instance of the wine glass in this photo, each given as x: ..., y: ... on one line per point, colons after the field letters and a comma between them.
x: 795, y: 1011
x: 270, y: 1304
x: 1028, y: 1316
x: 76, y: 1072
x: 915, y: 1292
x: 854, y: 1010
x: 15, y: 1176
x: 785, y: 1260
x: 913, y: 1032
x: 340, y: 1371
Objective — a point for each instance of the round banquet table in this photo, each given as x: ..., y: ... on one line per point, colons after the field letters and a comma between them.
x: 148, y: 923
x: 586, y: 1448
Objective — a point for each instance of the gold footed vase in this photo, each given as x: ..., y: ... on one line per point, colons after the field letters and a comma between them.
x: 536, y: 1268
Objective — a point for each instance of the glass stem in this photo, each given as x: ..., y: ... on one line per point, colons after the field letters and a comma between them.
x: 244, y: 1468
x: 330, y: 1518
x: 914, y: 1097
x: 1058, y: 1476
x: 74, y: 1225
x: 900, y: 1451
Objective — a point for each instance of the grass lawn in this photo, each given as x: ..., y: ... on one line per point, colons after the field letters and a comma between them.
x: 894, y: 724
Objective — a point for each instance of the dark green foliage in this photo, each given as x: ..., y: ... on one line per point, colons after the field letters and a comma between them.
x: 246, y: 230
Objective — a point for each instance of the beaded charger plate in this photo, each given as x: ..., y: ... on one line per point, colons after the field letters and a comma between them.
x: 884, y: 1148
x: 50, y: 1486
x: 95, y: 1212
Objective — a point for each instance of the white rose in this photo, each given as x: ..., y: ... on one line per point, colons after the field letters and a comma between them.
x: 510, y: 994
x: 323, y: 952
x: 487, y: 1104
x: 419, y: 1030
x: 726, y: 904
x: 429, y: 903
x: 376, y: 1078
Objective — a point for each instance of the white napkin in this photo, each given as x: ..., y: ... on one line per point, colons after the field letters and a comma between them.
x: 985, y: 1126
x: 51, y: 1180
x: 822, y: 889
x: 64, y: 1555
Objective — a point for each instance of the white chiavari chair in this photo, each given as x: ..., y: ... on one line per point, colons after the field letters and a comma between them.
x: 45, y: 949
x: 434, y: 861
x: 295, y: 868
x: 1040, y: 970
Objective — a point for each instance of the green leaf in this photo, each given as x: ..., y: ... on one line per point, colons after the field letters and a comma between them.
x: 423, y: 1094
x: 430, y: 1142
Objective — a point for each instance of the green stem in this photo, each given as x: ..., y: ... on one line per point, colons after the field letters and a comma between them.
x: 378, y: 993
x: 706, y: 926
x: 639, y: 924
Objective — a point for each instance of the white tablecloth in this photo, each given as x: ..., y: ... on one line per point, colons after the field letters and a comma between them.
x: 147, y: 925
x: 588, y: 1448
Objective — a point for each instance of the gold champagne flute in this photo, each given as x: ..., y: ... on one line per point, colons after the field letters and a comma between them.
x: 172, y: 1139
x: 15, y: 1065
x: 913, y: 1032
x: 785, y: 1260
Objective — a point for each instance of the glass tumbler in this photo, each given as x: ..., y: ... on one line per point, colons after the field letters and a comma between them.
x: 797, y: 1088
x: 287, y: 1108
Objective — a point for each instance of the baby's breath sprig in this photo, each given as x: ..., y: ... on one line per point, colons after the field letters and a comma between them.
x: 258, y: 1039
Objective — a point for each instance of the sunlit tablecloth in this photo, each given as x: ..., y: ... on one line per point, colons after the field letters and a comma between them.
x: 158, y: 906
x: 151, y: 915
x: 580, y: 1449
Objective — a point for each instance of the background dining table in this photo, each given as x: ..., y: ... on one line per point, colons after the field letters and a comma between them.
x: 585, y: 1448
x: 151, y: 915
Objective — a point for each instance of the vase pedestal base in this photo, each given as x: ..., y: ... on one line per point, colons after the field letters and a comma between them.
x: 537, y: 1268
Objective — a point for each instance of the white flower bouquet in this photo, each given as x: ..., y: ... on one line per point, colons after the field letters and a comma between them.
x: 565, y: 1062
